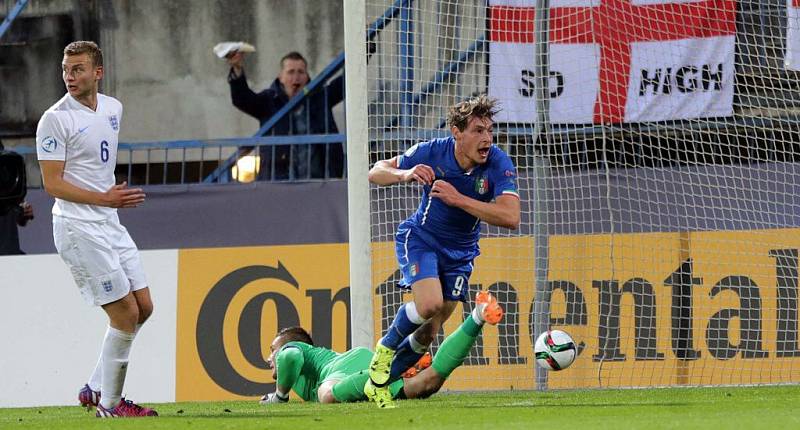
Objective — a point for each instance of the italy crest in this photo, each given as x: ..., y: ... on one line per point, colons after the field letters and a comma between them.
x: 482, y: 185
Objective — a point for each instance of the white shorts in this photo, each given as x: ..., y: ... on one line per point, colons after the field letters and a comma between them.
x: 102, y: 257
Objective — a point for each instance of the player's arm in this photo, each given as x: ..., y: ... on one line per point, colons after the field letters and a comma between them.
x: 256, y: 105
x: 503, y: 212
x: 118, y: 196
x: 289, y: 363
x: 386, y: 172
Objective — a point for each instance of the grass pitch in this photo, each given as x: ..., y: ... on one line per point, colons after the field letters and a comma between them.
x: 678, y: 408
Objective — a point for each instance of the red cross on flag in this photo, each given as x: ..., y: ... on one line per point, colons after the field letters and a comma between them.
x: 615, y: 61
x: 793, y: 34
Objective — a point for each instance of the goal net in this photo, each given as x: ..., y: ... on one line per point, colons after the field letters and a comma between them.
x: 656, y: 144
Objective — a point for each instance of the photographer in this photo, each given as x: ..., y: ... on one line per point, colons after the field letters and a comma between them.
x: 18, y: 214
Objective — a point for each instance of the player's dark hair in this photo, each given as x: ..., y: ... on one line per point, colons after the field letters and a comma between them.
x: 478, y: 107
x: 86, y: 47
x: 295, y: 334
x: 294, y: 55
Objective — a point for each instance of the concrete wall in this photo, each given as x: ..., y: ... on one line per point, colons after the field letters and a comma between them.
x: 173, y: 86
x: 159, y: 60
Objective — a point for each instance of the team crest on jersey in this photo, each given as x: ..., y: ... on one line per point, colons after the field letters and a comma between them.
x: 114, y: 122
x: 49, y: 144
x: 482, y: 185
x: 107, y: 286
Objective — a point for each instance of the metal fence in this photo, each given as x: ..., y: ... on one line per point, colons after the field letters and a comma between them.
x: 192, y: 161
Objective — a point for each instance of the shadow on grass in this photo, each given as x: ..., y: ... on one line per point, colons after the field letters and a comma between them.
x: 318, y: 412
x: 561, y: 404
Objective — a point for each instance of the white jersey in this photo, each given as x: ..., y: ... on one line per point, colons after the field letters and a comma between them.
x: 86, y: 141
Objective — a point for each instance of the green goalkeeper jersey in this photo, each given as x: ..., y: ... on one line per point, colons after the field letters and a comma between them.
x: 305, y: 367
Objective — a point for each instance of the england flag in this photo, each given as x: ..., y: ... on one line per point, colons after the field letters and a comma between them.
x: 792, y: 59
x: 615, y: 61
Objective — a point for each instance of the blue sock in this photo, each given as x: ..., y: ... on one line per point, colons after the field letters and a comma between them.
x: 405, y: 322
x: 404, y: 358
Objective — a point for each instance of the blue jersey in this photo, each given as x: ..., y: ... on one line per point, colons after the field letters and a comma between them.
x: 451, y: 227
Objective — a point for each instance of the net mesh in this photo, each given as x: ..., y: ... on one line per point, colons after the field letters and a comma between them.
x: 657, y: 172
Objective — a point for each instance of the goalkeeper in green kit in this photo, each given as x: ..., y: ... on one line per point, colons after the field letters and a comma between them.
x: 317, y: 374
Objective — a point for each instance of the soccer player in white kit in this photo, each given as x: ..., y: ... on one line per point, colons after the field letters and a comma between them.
x: 76, y: 143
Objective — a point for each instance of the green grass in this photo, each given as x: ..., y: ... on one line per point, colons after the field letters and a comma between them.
x: 679, y: 408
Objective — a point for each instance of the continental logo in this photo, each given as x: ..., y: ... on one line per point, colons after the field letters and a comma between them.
x: 719, y: 332
x: 229, y: 315
x: 211, y: 321
x: 722, y: 341
x: 639, y: 327
x: 711, y: 308
x: 646, y: 310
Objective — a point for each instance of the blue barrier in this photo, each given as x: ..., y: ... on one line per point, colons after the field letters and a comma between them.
x: 15, y: 11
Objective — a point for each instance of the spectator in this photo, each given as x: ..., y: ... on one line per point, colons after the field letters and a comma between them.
x: 314, y: 116
x: 10, y: 218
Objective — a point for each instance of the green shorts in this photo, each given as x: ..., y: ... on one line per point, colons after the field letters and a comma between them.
x: 349, y: 363
x: 355, y: 361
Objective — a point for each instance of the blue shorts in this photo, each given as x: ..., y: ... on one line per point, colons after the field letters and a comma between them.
x: 419, y: 259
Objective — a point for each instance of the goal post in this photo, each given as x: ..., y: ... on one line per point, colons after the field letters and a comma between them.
x: 361, y: 309
x: 657, y: 145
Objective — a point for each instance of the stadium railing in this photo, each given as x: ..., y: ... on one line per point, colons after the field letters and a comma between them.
x: 12, y: 15
x: 189, y: 161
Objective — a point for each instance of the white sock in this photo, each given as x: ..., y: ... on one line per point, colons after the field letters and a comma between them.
x: 415, y: 345
x: 116, y: 349
x: 97, y: 374
x: 413, y: 315
x: 96, y: 380
x: 477, y: 315
x: 280, y: 393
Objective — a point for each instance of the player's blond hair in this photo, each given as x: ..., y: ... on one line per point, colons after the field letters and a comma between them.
x: 481, y: 107
x: 86, y: 47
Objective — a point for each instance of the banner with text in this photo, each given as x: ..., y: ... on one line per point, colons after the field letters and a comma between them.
x: 678, y: 308
x: 647, y: 309
x: 616, y: 61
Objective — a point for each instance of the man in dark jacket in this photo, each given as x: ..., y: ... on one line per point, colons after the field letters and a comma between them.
x: 313, y: 116
x: 10, y: 218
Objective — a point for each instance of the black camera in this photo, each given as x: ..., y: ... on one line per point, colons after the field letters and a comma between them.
x: 13, y: 183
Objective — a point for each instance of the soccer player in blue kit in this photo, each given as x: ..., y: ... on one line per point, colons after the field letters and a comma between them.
x: 466, y: 179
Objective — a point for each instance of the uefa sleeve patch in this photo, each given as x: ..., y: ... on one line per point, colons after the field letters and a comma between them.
x: 49, y: 144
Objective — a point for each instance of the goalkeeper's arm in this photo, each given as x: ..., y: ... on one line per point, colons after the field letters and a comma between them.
x: 288, y: 364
